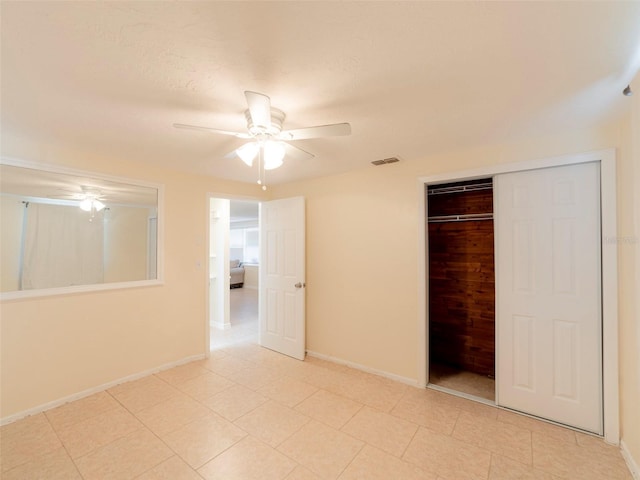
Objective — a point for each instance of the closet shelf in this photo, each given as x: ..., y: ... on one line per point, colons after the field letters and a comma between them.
x: 460, y: 218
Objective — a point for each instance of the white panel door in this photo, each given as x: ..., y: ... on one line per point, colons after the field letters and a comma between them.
x: 282, y: 276
x: 548, y: 294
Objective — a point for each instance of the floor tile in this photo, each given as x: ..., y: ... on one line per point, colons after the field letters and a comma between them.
x: 374, y: 464
x: 449, y: 458
x: 377, y: 392
x: 419, y: 406
x: 325, y: 364
x: 329, y: 408
x: 201, y: 440
x: 79, y: 410
x: 143, y: 393
x: 227, y: 366
x: 256, y: 376
x: 463, y: 404
x: 171, y: 414
x: 272, y: 422
x: 327, y: 378
x: 54, y: 465
x: 26, y: 439
x: 24, y: 425
x: 462, y: 381
x: 173, y: 468
x: 251, y: 352
x: 125, y: 458
x: 205, y: 386
x: 299, y: 370
x: 302, y: 473
x: 597, y: 445
x: 570, y: 461
x: 234, y: 402
x: 323, y: 450
x: 248, y: 459
x: 503, y: 468
x: 539, y: 426
x: 381, y: 430
x: 501, y: 438
x: 182, y: 373
x: 288, y: 391
x: 81, y: 438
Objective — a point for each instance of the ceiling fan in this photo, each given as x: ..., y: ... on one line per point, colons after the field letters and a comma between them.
x: 89, y: 199
x: 269, y: 143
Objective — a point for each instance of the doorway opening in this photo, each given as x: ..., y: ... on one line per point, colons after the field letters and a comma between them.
x: 461, y: 282
x: 234, y: 253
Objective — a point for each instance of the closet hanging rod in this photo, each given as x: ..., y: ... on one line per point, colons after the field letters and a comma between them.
x: 460, y: 218
x: 460, y: 188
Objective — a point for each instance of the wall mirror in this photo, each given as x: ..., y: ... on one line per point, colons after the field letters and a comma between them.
x: 64, y: 231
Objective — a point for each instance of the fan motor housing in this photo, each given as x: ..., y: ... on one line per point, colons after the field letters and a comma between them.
x: 277, y: 117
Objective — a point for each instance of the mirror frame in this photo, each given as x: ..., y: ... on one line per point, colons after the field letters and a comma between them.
x: 45, y: 292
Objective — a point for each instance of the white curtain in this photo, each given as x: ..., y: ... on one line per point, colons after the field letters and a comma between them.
x: 62, y: 247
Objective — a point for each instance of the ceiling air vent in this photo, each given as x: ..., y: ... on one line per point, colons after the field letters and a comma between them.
x: 385, y: 161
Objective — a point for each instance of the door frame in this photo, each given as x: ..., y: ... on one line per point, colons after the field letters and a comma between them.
x: 209, y: 196
x: 608, y: 204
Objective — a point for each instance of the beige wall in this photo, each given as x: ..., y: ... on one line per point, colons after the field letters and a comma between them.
x: 126, y: 248
x: 629, y: 273
x: 362, y: 254
x: 12, y: 214
x: 54, y: 347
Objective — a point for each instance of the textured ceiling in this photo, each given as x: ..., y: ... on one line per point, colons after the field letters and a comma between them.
x: 26, y: 182
x: 412, y: 78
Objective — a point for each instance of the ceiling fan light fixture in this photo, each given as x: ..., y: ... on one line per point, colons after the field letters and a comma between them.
x: 86, y: 205
x: 273, y: 154
x: 91, y: 204
x: 248, y: 152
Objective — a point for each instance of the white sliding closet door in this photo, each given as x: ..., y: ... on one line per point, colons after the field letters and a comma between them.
x: 548, y: 294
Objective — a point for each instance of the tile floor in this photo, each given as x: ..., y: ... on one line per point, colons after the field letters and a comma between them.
x: 250, y: 413
x: 462, y: 381
x: 244, y: 319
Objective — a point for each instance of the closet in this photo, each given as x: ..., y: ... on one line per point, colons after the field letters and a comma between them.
x: 515, y: 304
x: 462, y: 287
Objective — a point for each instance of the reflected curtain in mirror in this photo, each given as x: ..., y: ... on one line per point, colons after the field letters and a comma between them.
x: 67, y: 229
x: 62, y: 246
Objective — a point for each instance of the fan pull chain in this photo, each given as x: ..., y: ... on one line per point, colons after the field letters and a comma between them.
x: 261, y: 167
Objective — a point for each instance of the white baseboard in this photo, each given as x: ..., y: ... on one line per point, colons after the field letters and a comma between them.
x: 391, y: 376
x: 94, y: 390
x: 631, y: 463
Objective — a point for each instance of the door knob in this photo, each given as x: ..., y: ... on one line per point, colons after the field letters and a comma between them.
x: 300, y: 285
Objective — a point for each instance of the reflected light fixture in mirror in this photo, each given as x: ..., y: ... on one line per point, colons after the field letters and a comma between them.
x: 54, y: 222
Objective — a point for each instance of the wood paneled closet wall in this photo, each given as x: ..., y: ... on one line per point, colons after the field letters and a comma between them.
x: 461, y: 276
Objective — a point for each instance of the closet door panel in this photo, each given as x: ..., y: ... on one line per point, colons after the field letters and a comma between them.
x: 548, y: 307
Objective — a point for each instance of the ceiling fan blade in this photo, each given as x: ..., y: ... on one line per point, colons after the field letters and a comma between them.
x: 334, y: 130
x: 296, y: 152
x: 260, y: 108
x: 210, y: 130
x: 231, y: 154
x: 70, y: 196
